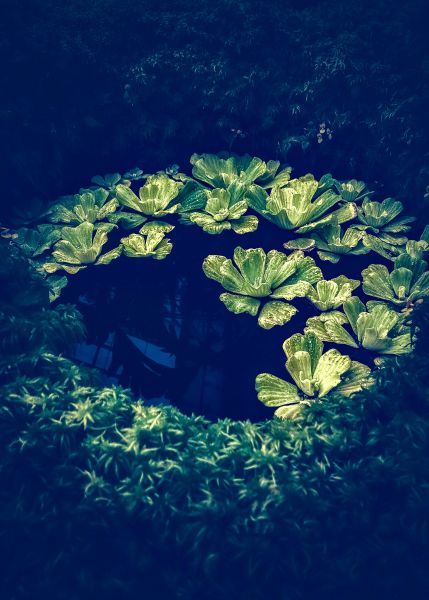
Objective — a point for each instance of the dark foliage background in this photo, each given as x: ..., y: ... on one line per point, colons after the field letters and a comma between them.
x: 98, y: 86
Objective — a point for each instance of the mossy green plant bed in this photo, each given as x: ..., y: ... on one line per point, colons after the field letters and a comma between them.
x: 104, y: 495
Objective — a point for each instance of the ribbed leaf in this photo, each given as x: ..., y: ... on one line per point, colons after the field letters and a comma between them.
x: 127, y: 197
x: 290, y: 411
x: 328, y: 295
x: 273, y: 391
x: 246, y: 224
x: 107, y: 181
x: 294, y: 290
x: 192, y: 197
x: 237, y: 210
x: 378, y: 214
x: 308, y: 342
x: 328, y: 256
x: 341, y: 215
x: 207, y: 223
x: 279, y: 267
x: 221, y: 172
x: 157, y: 195
x: 356, y: 379
x: 330, y: 368
x: 275, y: 313
x: 400, y: 344
x: 351, y: 190
x: 306, y: 270
x: 156, y: 226
x: 353, y: 307
x: 34, y: 242
x: 299, y: 368
x: 251, y: 264
x: 218, y: 203
x: 401, y: 279
x: 337, y: 334
x: 376, y: 282
x: 153, y: 245
x: 127, y: 220
x: 56, y: 284
x: 240, y: 304
x: 421, y: 287
x: 53, y: 267
x: 329, y: 328
x: 107, y: 258
x: 300, y: 244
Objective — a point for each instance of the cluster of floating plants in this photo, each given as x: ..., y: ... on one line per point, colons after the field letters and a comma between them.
x: 329, y: 217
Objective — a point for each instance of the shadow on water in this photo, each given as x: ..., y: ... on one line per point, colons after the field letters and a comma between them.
x: 159, y: 328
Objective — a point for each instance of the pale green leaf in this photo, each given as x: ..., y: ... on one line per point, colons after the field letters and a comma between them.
x: 273, y: 391
x: 240, y: 304
x: 275, y: 313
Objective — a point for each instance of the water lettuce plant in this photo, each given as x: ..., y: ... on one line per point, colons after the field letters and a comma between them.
x: 81, y: 246
x: 35, y: 241
x: 258, y: 275
x: 297, y: 206
x: 407, y: 283
x: 328, y: 295
x: 89, y: 206
x: 222, y: 211
x: 149, y: 242
x: 375, y: 327
x: 220, y: 170
x: 156, y: 198
x: 331, y: 242
x: 350, y: 191
x: 314, y: 372
x: 108, y: 181
x: 382, y: 229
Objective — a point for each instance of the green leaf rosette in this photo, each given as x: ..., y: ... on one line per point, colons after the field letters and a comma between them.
x: 314, y: 373
x: 256, y: 276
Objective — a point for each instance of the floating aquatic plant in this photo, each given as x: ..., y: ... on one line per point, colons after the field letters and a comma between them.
x: 89, y: 206
x: 375, y: 327
x: 331, y: 242
x: 222, y: 212
x: 258, y: 275
x: 328, y: 295
x: 297, y: 206
x: 56, y: 283
x: 352, y: 191
x: 149, y: 242
x: 108, y: 181
x: 315, y: 374
x: 34, y: 242
x: 156, y: 198
x: 407, y: 283
x: 81, y: 246
x: 135, y: 174
x: 219, y: 171
x: 382, y: 229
